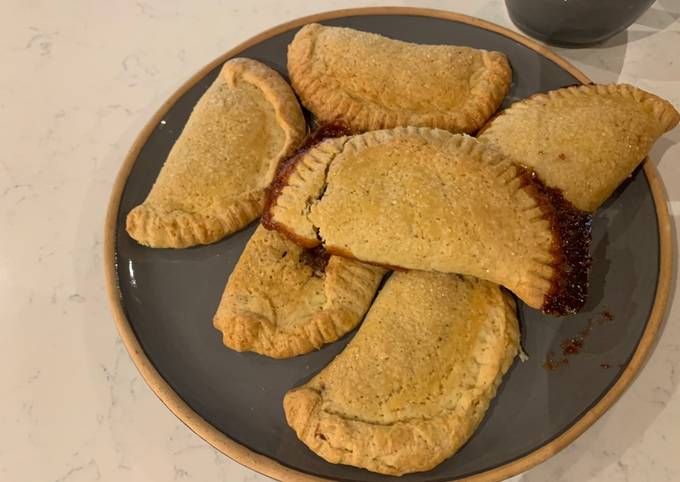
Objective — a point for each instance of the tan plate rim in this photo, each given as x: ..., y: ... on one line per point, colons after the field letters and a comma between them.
x: 271, y: 468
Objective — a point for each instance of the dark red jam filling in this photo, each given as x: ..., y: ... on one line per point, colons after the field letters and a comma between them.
x: 317, y: 259
x: 287, y: 166
x: 571, y: 228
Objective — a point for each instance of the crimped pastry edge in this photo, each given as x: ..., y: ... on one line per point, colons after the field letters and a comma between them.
x: 323, y: 134
x: 181, y: 229
x: 329, y: 103
x: 666, y: 114
x: 303, y: 411
x: 565, y: 292
x: 353, y: 282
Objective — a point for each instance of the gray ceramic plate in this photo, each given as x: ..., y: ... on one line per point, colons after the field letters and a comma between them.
x: 164, y: 299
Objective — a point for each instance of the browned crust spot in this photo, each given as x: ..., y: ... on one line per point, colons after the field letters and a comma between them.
x: 317, y: 259
x: 570, y: 249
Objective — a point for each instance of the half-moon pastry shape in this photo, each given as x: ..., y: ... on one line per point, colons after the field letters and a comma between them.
x: 213, y: 181
x: 583, y: 140
x: 415, y: 382
x: 282, y: 300
x: 421, y: 198
x: 366, y: 81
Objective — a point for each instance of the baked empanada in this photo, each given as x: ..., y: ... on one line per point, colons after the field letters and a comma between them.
x: 415, y: 382
x: 367, y: 81
x: 422, y: 198
x: 213, y: 180
x: 282, y: 300
x: 583, y: 140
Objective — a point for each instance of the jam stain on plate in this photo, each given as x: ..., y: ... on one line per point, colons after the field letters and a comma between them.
x: 552, y: 364
x: 574, y: 345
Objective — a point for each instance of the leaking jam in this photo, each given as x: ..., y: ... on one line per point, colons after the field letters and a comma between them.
x: 287, y: 166
x: 570, y: 227
x: 570, y: 250
x: 552, y: 364
x: 317, y: 259
x: 571, y: 244
x: 574, y: 345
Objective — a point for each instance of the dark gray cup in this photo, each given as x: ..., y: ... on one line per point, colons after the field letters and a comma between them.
x: 575, y: 23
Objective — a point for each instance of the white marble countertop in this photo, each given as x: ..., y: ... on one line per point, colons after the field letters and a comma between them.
x: 78, y: 81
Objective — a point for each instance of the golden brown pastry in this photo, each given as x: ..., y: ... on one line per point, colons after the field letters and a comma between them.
x: 583, y: 140
x: 415, y: 382
x: 213, y: 180
x: 282, y: 301
x: 427, y: 199
x: 367, y: 81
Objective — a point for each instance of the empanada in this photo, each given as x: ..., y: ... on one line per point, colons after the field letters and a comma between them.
x: 416, y: 380
x: 283, y: 301
x: 213, y: 180
x: 367, y: 81
x: 422, y: 198
x: 583, y: 140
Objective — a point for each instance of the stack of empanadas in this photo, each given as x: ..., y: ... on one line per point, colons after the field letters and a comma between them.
x: 399, y: 185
